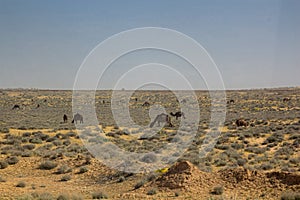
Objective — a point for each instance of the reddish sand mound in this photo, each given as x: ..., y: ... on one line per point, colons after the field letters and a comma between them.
x: 185, y: 175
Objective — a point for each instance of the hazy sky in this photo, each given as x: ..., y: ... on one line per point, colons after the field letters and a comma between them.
x: 255, y: 43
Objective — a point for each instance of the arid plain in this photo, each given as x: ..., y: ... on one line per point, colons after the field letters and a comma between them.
x: 43, y: 157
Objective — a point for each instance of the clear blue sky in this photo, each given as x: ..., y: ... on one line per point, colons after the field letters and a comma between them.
x: 255, y: 43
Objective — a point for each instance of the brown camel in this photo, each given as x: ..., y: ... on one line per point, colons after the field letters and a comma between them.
x: 77, y: 117
x: 178, y: 114
x: 162, y: 118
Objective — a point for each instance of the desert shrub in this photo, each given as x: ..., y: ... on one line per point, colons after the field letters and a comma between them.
x: 290, y: 196
x: 51, y: 139
x: 47, y: 165
x: 149, y: 158
x: 284, y: 151
x: 121, y: 179
x: 35, y: 141
x: 152, y: 191
x: 241, y: 161
x: 295, y: 160
x: 99, y: 195
x: 218, y: 190
x: 65, y: 178
x: 12, y: 160
x: 266, y: 166
x: 151, y: 177
x: 71, y: 134
x: 139, y: 184
x: 76, y: 148
x: 28, y: 146
x: 67, y: 197
x: 66, y: 142
x: 2, y: 179
x: 40, y: 135
x: 57, y: 142
x: 3, y: 164
x: 4, y: 130
x: 237, y: 146
x: 21, y: 184
x: 27, y: 154
x: 294, y: 136
x: 63, y: 169
x: 222, y: 146
x: 26, y: 134
x: 83, y: 169
x: 256, y: 150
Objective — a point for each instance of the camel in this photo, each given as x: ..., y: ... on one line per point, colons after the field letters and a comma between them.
x: 77, y: 117
x: 162, y: 118
x: 178, y: 114
x: 241, y: 122
x: 146, y: 103
x: 65, y: 118
x: 16, y: 107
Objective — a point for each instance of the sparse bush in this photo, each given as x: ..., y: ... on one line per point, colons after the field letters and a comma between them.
x: 152, y: 191
x: 28, y: 146
x: 218, y: 190
x: 2, y: 179
x: 65, y: 178
x: 47, y: 165
x: 3, y: 164
x: 66, y: 142
x: 63, y: 169
x: 83, y: 169
x: 12, y: 160
x: 35, y: 141
x: 21, y: 184
x: 149, y: 158
x: 121, y: 179
x: 139, y: 184
x: 99, y: 195
x: 290, y: 196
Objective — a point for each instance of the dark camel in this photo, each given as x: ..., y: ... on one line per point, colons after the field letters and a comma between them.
x: 77, y: 117
x: 162, y: 118
x: 241, y: 122
x: 178, y: 114
x: 65, y: 118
